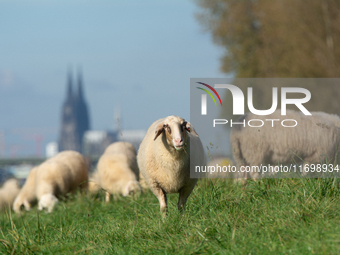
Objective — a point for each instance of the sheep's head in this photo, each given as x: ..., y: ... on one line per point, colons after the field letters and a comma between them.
x: 132, y: 188
x: 175, y: 129
x: 47, y: 201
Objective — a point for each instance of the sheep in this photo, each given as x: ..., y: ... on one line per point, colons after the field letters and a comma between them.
x: 142, y: 182
x: 26, y: 195
x: 8, y: 192
x: 94, y: 185
x: 118, y: 171
x: 130, y: 151
x: 60, y: 175
x: 57, y: 176
x: 127, y: 149
x: 169, y: 149
x: 314, y: 139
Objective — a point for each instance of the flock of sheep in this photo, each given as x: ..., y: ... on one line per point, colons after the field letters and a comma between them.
x: 169, y: 149
x: 163, y: 166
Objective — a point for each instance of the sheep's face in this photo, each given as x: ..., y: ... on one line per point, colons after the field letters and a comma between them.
x: 47, y: 201
x: 175, y: 129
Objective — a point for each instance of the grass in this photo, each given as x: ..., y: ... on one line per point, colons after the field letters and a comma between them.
x: 271, y: 216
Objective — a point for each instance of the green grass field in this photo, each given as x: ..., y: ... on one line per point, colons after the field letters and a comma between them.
x: 272, y: 216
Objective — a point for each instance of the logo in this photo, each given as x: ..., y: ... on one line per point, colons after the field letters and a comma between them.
x: 238, y: 99
x: 204, y: 97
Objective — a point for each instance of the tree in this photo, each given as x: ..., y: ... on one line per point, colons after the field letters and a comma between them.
x: 292, y: 38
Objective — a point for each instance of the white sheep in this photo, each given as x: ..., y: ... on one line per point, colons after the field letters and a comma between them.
x: 168, y: 151
x: 57, y: 176
x: 118, y: 171
x: 128, y: 150
x: 94, y: 183
x: 8, y: 192
x: 26, y: 195
x: 314, y: 139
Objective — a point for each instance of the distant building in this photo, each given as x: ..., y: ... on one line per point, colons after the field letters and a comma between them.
x: 51, y: 149
x: 74, y: 118
x: 96, y: 141
x: 132, y: 136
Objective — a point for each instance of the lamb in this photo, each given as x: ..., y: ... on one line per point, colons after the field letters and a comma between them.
x: 314, y: 139
x: 9, y: 190
x: 169, y: 149
x: 55, y: 177
x: 26, y: 195
x: 118, y: 171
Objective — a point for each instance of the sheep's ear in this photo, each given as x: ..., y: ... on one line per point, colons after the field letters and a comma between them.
x: 190, y: 129
x: 159, y: 130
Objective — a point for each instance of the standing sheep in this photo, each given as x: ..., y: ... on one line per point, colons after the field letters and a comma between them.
x: 9, y: 190
x: 314, y: 139
x: 26, y: 195
x: 118, y: 171
x: 164, y: 159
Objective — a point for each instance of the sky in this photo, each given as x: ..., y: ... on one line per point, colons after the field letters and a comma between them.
x: 138, y: 55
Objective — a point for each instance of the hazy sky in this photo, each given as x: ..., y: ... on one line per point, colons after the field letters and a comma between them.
x: 136, y: 54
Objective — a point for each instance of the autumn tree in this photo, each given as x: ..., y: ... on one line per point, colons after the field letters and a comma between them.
x: 281, y: 39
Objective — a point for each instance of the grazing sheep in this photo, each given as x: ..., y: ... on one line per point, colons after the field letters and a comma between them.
x: 94, y: 185
x: 127, y: 149
x: 331, y: 117
x: 9, y: 190
x: 142, y: 182
x: 314, y: 139
x: 26, y: 195
x: 57, y: 176
x: 164, y: 159
x: 118, y: 171
x: 60, y: 175
x: 130, y: 151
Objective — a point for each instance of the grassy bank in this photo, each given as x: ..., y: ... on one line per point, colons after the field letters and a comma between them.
x: 283, y: 216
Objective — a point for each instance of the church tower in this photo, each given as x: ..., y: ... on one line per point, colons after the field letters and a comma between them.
x: 74, y: 117
x: 81, y: 110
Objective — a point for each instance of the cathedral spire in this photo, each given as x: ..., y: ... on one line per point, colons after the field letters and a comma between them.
x: 74, y: 119
x: 69, y: 85
x: 80, y: 84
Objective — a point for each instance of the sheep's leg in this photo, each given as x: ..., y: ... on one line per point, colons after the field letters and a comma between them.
x: 27, y: 205
x: 182, y: 200
x: 161, y: 195
x: 107, y: 197
x: 184, y: 193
